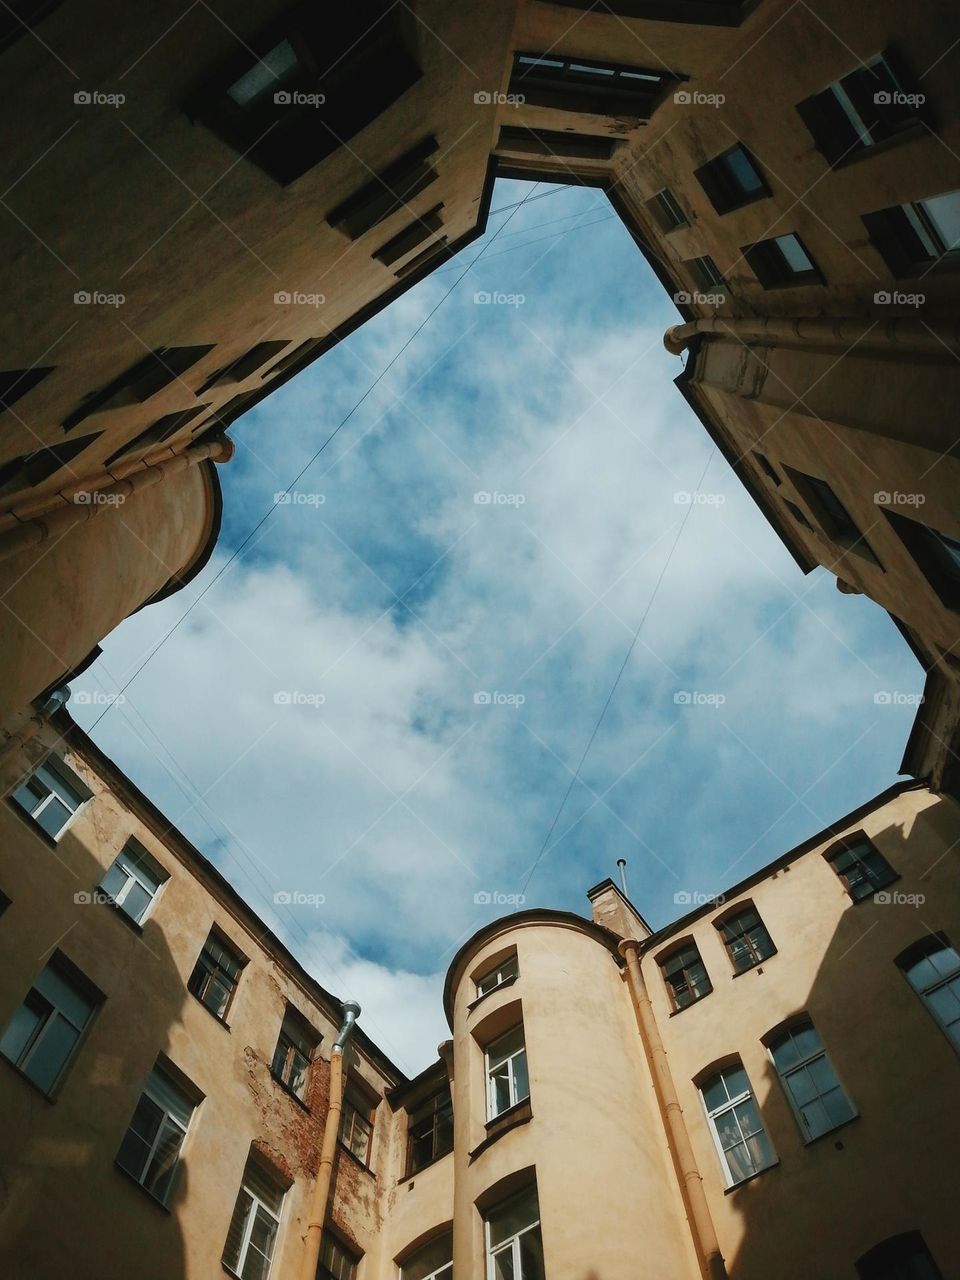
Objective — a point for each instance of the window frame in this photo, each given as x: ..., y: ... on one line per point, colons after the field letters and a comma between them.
x: 707, y: 1078
x: 773, y: 1040
x: 899, y: 230
x: 512, y: 1242
x: 849, y: 845
x: 431, y: 1109
x: 724, y: 924
x: 666, y: 211
x: 68, y: 779
x: 832, y: 516
x: 361, y: 1111
x: 443, y: 1272
x: 508, y: 963
x: 489, y: 1068
x: 301, y: 1041
x: 769, y: 263
x: 118, y: 900
x: 251, y: 1217
x: 680, y: 949
x: 722, y: 186
x: 924, y: 544
x: 68, y: 974
x: 587, y: 85
x: 168, y: 1119
x: 906, y: 1246
x: 332, y: 1241
x: 216, y: 938
x: 910, y: 958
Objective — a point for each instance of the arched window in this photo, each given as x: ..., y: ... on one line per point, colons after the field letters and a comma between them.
x: 808, y: 1079
x: 734, y: 1117
x: 685, y: 975
x: 745, y: 936
x: 433, y: 1261
x: 932, y: 967
x: 903, y: 1257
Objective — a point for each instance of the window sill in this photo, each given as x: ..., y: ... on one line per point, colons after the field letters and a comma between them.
x: 520, y: 1113
x: 356, y: 1159
x: 811, y: 1142
x: 289, y: 1092
x: 755, y: 968
x: 219, y: 1021
x: 869, y: 897
x: 127, y: 1176
x: 507, y: 982
x: 692, y: 1004
x: 415, y: 1173
x: 753, y: 1177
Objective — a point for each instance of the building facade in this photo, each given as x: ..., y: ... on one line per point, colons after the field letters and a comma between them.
x: 766, y: 1085
x: 196, y: 212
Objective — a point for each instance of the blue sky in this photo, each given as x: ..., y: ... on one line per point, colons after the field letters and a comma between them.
x: 314, y: 724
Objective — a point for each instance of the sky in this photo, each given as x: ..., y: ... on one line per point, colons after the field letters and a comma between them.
x: 371, y: 720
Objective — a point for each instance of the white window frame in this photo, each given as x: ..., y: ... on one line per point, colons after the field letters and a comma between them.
x: 53, y: 1012
x: 257, y: 1203
x: 443, y: 1272
x: 133, y: 852
x: 169, y: 1120
x: 512, y: 1243
x: 509, y: 1060
x: 507, y: 968
x: 950, y: 1030
x: 56, y: 765
x: 730, y: 1105
x: 803, y: 1064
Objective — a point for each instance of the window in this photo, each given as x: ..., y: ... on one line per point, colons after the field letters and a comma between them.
x: 767, y: 467
x: 862, y: 868
x: 738, y: 1132
x: 506, y: 971
x: 781, y: 262
x: 579, y: 84
x: 666, y: 211
x: 43, y: 1034
x: 798, y: 515
x: 514, y: 1246
x: 430, y: 1130
x: 293, y: 1054
x: 35, y: 468
x: 51, y: 796
x: 356, y: 1125
x: 215, y: 976
x: 914, y: 237
x: 433, y: 1262
x: 877, y: 103
x: 386, y: 193
x: 686, y: 978
x: 252, y: 1237
x: 732, y: 179
x: 903, y: 1257
x: 746, y: 938
x: 308, y: 83
x: 815, y: 1093
x: 336, y: 1262
x: 522, y: 140
x: 133, y: 881
x: 833, y: 517
x: 937, y: 555
x: 706, y: 273
x: 413, y: 235
x: 507, y: 1079
x: 719, y: 13
x: 150, y: 1151
x: 15, y: 383
x: 244, y: 365
x: 932, y: 967
x: 138, y: 383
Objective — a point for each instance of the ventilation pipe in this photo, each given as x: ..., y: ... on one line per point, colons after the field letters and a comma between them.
x: 331, y: 1130
x: 701, y: 1224
x: 622, y: 864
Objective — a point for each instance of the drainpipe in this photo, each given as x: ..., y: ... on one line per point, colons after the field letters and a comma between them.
x: 835, y: 334
x: 90, y: 499
x: 331, y: 1131
x: 701, y: 1224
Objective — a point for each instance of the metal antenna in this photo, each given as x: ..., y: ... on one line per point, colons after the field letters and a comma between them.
x: 622, y: 864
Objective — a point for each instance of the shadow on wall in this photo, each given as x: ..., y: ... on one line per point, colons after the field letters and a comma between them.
x: 891, y: 1168
x: 65, y: 1208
